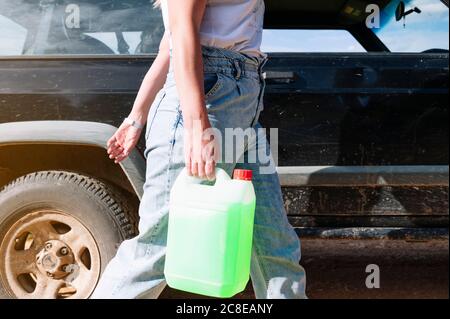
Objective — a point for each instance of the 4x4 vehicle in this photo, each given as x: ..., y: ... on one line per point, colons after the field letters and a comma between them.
x: 362, y: 127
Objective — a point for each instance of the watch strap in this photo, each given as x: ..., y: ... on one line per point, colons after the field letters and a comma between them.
x: 133, y: 123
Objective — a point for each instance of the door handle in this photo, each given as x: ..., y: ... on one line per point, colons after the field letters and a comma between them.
x: 280, y: 77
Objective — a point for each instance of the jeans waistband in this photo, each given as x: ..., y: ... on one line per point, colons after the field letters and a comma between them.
x: 231, y: 62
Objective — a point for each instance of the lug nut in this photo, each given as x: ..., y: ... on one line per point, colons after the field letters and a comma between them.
x: 66, y: 268
x: 49, y: 274
x: 64, y: 251
x: 48, y: 246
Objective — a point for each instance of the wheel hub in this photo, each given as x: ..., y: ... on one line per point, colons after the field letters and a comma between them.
x: 54, y: 259
x: 49, y: 254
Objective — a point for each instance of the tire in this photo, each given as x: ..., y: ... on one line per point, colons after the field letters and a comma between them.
x: 88, y: 216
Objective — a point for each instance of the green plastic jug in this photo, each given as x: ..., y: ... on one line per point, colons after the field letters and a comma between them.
x: 210, y: 234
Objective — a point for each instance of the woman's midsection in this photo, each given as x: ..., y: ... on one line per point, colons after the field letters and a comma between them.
x: 228, y: 62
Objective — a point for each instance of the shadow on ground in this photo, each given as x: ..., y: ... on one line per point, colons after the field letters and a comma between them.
x: 336, y: 269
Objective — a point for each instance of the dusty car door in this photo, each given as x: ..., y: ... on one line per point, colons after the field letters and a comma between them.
x: 372, y: 116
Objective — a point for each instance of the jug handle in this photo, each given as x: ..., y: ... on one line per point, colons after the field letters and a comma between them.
x: 221, y: 176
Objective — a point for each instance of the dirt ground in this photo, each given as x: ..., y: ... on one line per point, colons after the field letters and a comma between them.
x: 337, y: 269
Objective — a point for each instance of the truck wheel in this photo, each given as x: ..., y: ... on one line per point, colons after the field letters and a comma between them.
x: 58, y: 230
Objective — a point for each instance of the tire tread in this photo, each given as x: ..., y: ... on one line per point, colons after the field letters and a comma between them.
x: 122, y: 211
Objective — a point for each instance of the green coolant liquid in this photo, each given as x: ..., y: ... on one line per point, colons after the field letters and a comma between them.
x: 210, y: 234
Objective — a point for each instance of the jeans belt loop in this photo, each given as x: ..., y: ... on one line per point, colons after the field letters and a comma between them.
x: 238, y: 70
x: 261, y: 65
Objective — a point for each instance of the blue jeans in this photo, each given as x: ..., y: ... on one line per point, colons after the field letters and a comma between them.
x: 234, y: 88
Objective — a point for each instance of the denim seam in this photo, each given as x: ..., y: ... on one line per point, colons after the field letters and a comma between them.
x: 260, y: 101
x: 169, y: 164
x: 257, y: 251
x: 260, y: 267
x: 122, y: 282
x: 150, y: 123
x: 172, y: 146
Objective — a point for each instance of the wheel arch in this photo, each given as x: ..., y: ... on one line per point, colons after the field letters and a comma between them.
x: 76, y: 146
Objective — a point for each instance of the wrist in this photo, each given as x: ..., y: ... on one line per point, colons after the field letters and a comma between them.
x: 196, y: 119
x: 138, y: 116
x: 134, y: 123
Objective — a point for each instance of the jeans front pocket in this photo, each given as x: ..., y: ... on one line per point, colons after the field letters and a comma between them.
x: 212, y: 82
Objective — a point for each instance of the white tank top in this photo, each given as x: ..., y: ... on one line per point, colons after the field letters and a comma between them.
x: 230, y: 24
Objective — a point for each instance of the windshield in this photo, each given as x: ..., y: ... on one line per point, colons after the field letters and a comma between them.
x: 424, y: 29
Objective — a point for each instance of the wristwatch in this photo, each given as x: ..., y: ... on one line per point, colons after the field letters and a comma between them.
x: 133, y: 123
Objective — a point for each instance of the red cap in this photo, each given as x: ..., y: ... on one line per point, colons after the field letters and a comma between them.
x: 243, y: 174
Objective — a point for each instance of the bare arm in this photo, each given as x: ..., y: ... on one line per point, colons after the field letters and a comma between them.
x: 185, y: 18
x: 153, y: 82
x: 126, y: 137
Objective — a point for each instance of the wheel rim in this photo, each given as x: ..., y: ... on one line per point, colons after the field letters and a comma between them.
x: 49, y: 254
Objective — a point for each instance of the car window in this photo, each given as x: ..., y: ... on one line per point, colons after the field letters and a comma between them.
x: 309, y: 41
x: 13, y: 40
x: 426, y: 31
x: 128, y: 27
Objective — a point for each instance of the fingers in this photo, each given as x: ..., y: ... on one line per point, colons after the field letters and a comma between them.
x: 120, y: 153
x: 194, y: 169
x: 210, y: 170
x: 200, y: 154
x: 204, y: 170
x: 111, y: 141
x: 195, y: 165
x: 209, y: 156
x: 188, y: 167
x: 121, y: 157
x: 201, y: 169
x: 122, y: 143
x: 188, y: 157
x: 115, y: 150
